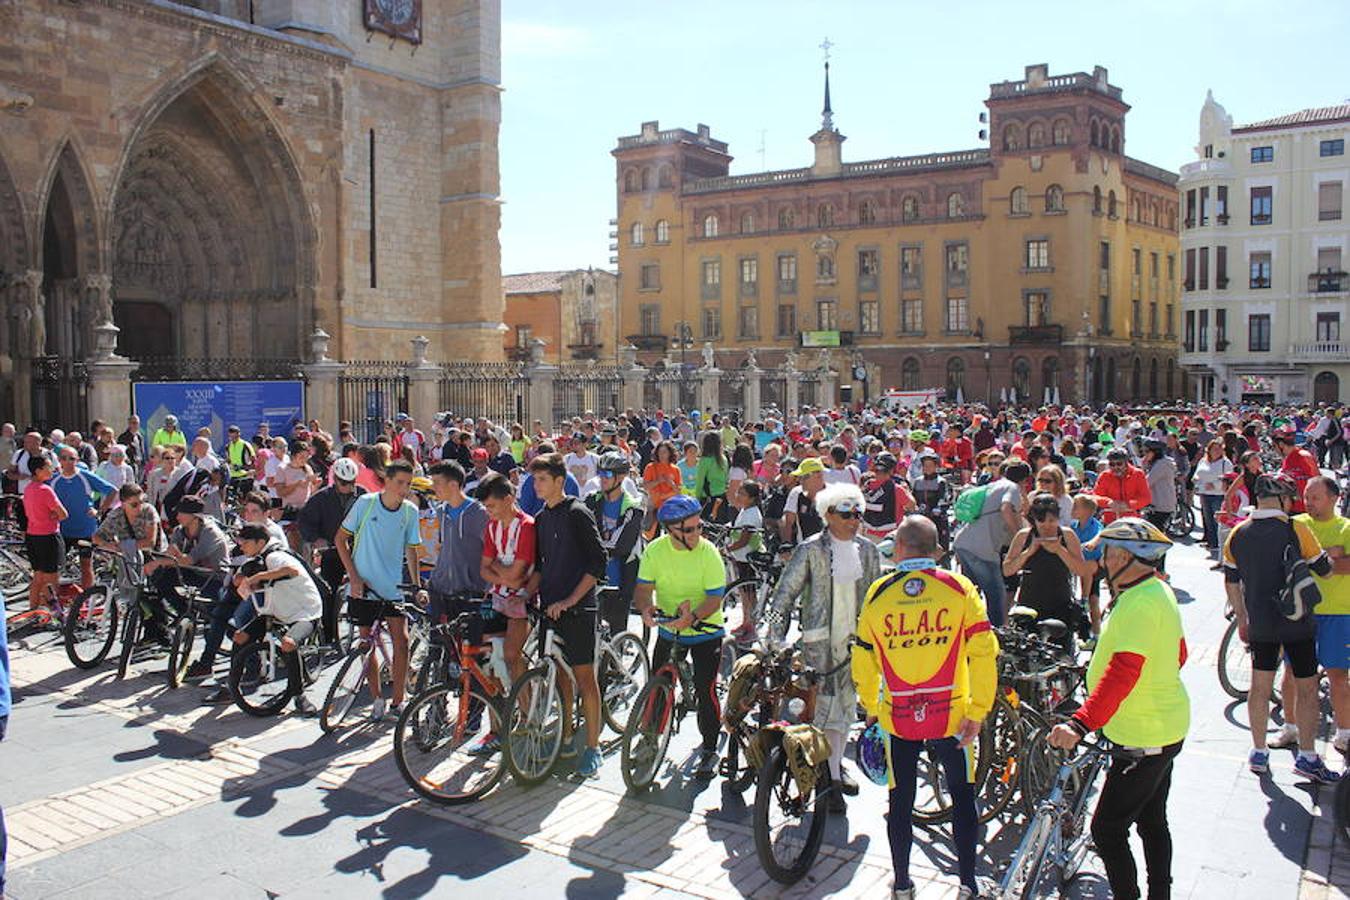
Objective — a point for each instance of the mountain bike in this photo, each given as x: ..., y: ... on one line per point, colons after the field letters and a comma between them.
x: 535, y: 710
x: 260, y: 679
x: 351, y: 681
x: 91, y: 621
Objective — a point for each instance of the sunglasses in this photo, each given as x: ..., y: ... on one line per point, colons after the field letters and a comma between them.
x: 847, y: 513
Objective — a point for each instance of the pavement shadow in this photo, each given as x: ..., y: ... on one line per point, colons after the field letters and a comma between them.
x: 1287, y: 822
x: 630, y: 828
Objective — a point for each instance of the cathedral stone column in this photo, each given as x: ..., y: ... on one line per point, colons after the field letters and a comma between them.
x: 30, y: 336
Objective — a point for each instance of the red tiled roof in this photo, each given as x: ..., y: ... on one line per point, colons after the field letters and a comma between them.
x: 533, y: 282
x: 1302, y: 117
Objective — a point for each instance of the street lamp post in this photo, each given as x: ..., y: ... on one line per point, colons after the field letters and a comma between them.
x: 684, y: 338
x: 988, y: 382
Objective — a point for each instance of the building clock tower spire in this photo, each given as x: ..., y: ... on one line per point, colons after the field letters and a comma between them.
x: 828, y: 140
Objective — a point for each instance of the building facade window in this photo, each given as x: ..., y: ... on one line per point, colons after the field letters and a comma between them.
x: 635, y: 235
x: 909, y: 209
x: 1104, y: 287
x: 1060, y: 132
x: 1221, y: 267
x: 1153, y: 276
x: 1204, y: 206
x: 649, y: 277
x: 1111, y: 210
x: 958, y: 315
x: 1017, y: 201
x: 522, y: 337
x: 1012, y: 137
x: 787, y: 273
x: 1220, y: 329
x: 1021, y: 378
x: 1188, y: 333
x: 911, y: 268
x: 869, y: 268
x: 956, y: 378
x: 786, y: 219
x: 958, y: 264
x: 1334, y: 147
x: 1258, y: 333
x: 1221, y: 204
x: 827, y: 314
x: 1329, y: 201
x: 1329, y: 263
x: 1036, y: 135
x: 1097, y: 200
x: 824, y: 215
x: 1328, y: 327
x: 1261, y: 205
x: 710, y: 225
x: 629, y: 181
x: 665, y: 177
x: 1037, y: 254
x: 956, y: 206
x: 787, y: 319
x: 1259, y: 265
x: 867, y: 213
x: 712, y: 279
x: 1203, y: 284
x: 869, y: 317
x: 1203, y: 337
x: 1188, y: 272
x: 1050, y: 374
x: 649, y: 319
x: 1035, y: 308
x: 1263, y: 154
x: 909, y: 374
x: 911, y: 316
x: 749, y: 322
x: 1054, y: 198
x: 749, y: 267
x: 824, y: 268
x: 747, y: 223
x: 662, y: 231
x: 712, y: 324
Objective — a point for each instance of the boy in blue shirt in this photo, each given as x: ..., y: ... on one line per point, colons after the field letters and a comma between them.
x: 1087, y: 526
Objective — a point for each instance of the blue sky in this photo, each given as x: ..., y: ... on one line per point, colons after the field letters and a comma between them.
x: 907, y: 77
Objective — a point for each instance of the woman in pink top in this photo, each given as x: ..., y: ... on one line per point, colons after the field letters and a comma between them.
x: 46, y: 550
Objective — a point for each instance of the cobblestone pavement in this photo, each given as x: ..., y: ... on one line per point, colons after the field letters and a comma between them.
x: 129, y: 789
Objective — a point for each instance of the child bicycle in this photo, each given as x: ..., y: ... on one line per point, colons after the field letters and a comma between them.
x: 264, y: 677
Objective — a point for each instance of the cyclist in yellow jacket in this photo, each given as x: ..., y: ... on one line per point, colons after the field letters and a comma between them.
x: 925, y: 666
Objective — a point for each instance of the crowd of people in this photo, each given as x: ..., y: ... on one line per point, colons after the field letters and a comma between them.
x: 907, y: 537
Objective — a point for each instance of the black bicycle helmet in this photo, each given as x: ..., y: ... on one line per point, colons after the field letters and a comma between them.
x: 614, y: 462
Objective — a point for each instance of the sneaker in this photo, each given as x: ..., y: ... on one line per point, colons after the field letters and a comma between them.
x: 377, y: 710
x: 1285, y: 740
x: 847, y: 786
x: 903, y: 893
x: 706, y: 766
x: 487, y: 745
x: 590, y: 763
x: 395, y: 710
x: 966, y: 893
x: 304, y: 707
x: 1259, y: 761
x: 1315, y: 770
x: 568, y: 750
x: 198, y: 670
x: 218, y: 696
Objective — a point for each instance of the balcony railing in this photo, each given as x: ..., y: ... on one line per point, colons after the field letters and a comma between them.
x: 1035, y: 334
x: 648, y: 341
x: 1328, y: 282
x: 1322, y: 350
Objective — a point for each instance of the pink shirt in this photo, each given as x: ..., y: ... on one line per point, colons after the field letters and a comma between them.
x: 40, y: 506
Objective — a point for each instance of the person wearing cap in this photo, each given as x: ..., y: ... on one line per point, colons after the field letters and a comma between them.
x: 800, y: 518
x: 169, y: 435
x: 828, y: 576
x: 618, y: 515
x: 1298, y: 464
x: 478, y: 462
x: 197, y: 542
x: 888, y: 499
x: 1254, y: 578
x: 318, y: 522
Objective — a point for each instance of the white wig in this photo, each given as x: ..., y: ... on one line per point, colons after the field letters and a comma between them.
x: 833, y: 494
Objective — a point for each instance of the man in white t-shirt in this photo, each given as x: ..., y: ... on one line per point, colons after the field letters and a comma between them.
x: 581, y: 463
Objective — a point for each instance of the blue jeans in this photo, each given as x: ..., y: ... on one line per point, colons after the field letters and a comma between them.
x: 988, y: 577
x: 1210, y: 504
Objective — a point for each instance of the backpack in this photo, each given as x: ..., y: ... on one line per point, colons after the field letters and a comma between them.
x: 1300, y: 593
x: 970, y: 504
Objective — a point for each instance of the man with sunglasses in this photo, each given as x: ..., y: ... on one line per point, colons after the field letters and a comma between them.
x: 1124, y: 486
x: 828, y: 575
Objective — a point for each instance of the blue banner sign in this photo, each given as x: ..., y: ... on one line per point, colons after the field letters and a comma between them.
x: 219, y: 404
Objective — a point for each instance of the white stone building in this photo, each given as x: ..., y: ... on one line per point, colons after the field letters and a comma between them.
x: 1265, y: 294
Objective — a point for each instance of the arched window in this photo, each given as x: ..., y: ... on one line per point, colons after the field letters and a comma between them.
x: 646, y: 179
x: 1094, y: 136
x: 1115, y: 139
x: 956, y: 377
x: 867, y: 213
x: 1021, y: 378
x: 1012, y: 137
x: 786, y: 219
x: 1136, y: 378
x: 824, y: 215
x: 665, y: 177
x: 1327, y: 388
x: 662, y: 231
x: 956, y: 206
x: 747, y: 223
x: 1171, y: 378
x: 825, y: 267
x: 1111, y: 204
x: 1050, y: 374
x: 1054, y: 198
x: 1017, y: 201
x: 635, y: 234
x: 629, y: 181
x: 1097, y: 200
x: 710, y: 225
x: 909, y: 209
x: 1060, y: 133
x: 1153, y: 378
x: 1036, y: 135
x: 909, y: 375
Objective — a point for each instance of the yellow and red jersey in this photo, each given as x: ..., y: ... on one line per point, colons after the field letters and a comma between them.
x: 926, y: 657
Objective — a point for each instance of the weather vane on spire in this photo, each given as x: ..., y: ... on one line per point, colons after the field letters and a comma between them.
x: 826, y: 45
x: 827, y: 114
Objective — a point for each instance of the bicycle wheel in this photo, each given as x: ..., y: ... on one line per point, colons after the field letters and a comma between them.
x: 999, y: 771
x: 1235, y: 664
x: 535, y: 737
x: 726, y: 665
x: 624, y: 669
x: 15, y: 575
x: 788, y: 824
x: 259, y: 678
x: 181, y: 636
x: 131, y: 632
x: 435, y: 740
x: 1028, y: 865
x: 735, y: 766
x: 91, y: 627
x: 647, y: 734
x: 932, y: 800
x: 346, y: 690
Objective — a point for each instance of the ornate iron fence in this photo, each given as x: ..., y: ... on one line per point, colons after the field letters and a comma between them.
x: 60, y: 393
x: 731, y: 393
x: 772, y: 392
x: 169, y: 368
x: 809, y: 388
x: 576, y: 390
x: 369, y: 393
x: 498, y: 391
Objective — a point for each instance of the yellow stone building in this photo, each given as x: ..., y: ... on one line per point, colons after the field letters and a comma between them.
x: 1046, y: 262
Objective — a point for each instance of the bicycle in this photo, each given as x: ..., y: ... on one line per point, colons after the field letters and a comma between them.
x: 145, y: 607
x: 1234, y: 664
x: 656, y: 715
x: 1056, y: 837
x: 443, y: 740
x: 376, y: 649
x: 260, y: 681
x: 91, y: 621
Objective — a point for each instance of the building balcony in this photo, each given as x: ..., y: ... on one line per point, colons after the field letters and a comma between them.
x: 586, y: 351
x: 1035, y: 334
x: 518, y: 354
x: 1205, y: 168
x: 1328, y: 282
x: 649, y: 341
x: 1321, y: 350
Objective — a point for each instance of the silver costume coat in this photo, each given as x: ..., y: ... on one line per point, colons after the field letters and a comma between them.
x: 807, y: 579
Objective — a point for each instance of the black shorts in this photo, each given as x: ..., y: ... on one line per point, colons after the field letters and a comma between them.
x: 46, y: 552
x: 364, y: 612
x: 576, y: 627
x: 1301, y: 655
